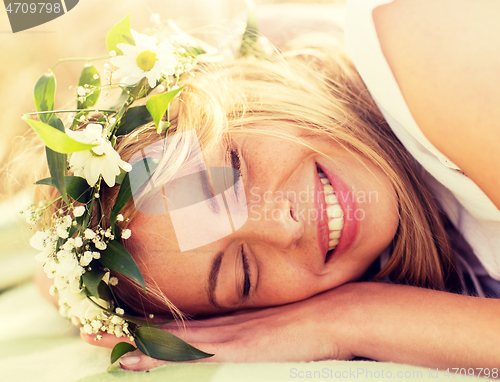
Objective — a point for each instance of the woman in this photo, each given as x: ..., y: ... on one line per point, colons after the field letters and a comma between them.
x: 286, y: 127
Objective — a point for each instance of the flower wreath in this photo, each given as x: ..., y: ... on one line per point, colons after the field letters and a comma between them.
x: 77, y: 257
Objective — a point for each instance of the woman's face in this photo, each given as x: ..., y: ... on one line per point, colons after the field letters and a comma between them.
x: 281, y: 254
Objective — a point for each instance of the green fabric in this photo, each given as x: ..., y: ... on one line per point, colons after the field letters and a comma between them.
x: 36, y: 344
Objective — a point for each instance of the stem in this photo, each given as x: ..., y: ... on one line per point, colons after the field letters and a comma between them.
x: 74, y: 111
x: 78, y: 59
x: 111, y: 128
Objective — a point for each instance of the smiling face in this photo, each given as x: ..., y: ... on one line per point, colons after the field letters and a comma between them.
x: 282, y: 253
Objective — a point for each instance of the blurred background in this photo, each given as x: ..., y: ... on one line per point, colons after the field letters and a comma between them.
x: 81, y: 32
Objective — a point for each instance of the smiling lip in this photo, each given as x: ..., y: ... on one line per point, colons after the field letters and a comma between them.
x: 348, y: 204
x: 320, y: 205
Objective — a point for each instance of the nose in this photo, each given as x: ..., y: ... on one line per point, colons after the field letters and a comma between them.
x: 271, y: 221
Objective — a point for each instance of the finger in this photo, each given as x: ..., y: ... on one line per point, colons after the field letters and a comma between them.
x: 106, y: 341
x: 229, y: 319
x: 140, y: 362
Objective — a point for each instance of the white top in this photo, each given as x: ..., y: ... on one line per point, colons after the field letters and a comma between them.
x: 467, y: 206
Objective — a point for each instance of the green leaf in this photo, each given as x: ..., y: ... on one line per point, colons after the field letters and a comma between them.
x: 162, y: 345
x: 92, y: 279
x: 125, y: 192
x: 76, y: 187
x: 105, y: 293
x: 123, y: 197
x: 139, y: 90
x: 120, y: 33
x: 120, y: 349
x: 87, y: 78
x: 45, y: 94
x: 134, y: 118
x: 117, y: 258
x: 55, y: 139
x: 158, y: 105
x: 57, y: 162
x: 250, y: 36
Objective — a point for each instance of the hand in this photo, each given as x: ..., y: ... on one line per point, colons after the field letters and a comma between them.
x: 307, y: 330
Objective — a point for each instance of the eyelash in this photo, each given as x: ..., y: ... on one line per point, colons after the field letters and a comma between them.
x: 246, y: 271
x: 235, y: 160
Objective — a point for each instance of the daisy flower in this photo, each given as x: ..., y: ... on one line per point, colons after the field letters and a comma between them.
x: 145, y: 59
x: 100, y: 160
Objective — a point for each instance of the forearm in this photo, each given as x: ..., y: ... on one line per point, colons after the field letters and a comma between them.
x: 423, y: 327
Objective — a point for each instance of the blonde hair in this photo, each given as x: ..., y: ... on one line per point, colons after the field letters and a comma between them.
x: 317, y: 88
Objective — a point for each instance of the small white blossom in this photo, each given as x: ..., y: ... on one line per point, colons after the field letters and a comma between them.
x: 62, y: 233
x: 118, y: 331
x: 113, y: 281
x: 119, y: 311
x: 126, y: 233
x: 81, y: 91
x: 117, y: 320
x: 100, y: 245
x: 145, y: 59
x: 96, y: 324
x: 101, y: 160
x: 78, y: 242
x: 112, y: 53
x: 160, y: 88
x: 96, y: 255
x: 96, y: 76
x: 69, y: 245
x: 87, y: 329
x: 37, y: 241
x: 78, y: 211
x: 67, y: 221
x: 86, y: 258
x: 119, y: 218
x: 89, y: 234
x: 112, y: 120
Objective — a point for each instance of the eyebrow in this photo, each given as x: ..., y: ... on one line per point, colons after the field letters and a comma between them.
x: 212, y: 278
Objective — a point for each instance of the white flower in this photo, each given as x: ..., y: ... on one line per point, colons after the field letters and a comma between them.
x: 145, y: 59
x: 37, y: 241
x: 78, y: 242
x: 81, y: 91
x: 78, y: 211
x: 66, y: 222
x: 62, y: 233
x: 100, y: 245
x: 113, y: 281
x: 126, y: 233
x: 100, y: 160
x: 86, y: 258
x: 89, y: 234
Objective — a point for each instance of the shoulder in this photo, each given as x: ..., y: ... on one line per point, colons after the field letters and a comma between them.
x: 445, y: 56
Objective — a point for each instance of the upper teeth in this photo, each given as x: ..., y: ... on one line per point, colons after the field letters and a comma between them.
x: 333, y: 211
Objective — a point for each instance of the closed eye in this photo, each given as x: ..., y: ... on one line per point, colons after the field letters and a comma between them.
x: 246, y: 272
